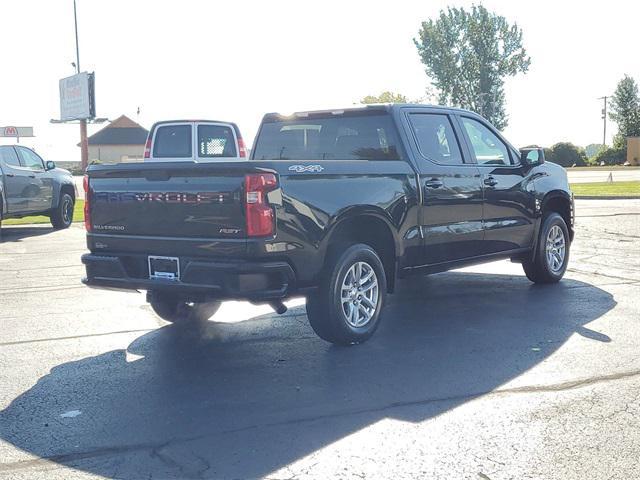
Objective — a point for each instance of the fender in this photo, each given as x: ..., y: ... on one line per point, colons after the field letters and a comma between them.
x: 57, y: 189
x: 367, y: 212
x: 359, y: 211
x: 541, y: 203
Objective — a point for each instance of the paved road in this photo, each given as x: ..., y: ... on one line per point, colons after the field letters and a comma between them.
x: 473, y: 375
x: 598, y: 175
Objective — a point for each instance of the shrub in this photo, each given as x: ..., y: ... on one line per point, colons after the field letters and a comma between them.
x: 611, y: 156
x: 566, y: 154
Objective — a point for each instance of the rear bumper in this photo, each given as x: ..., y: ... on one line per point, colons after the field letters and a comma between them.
x: 200, y: 279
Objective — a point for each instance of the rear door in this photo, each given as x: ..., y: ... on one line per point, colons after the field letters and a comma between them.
x: 509, y: 199
x: 16, y: 181
x: 215, y: 142
x: 172, y: 142
x: 451, y: 217
x: 40, y: 189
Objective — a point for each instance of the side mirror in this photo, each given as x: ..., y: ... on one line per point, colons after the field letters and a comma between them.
x: 532, y: 156
x: 50, y: 165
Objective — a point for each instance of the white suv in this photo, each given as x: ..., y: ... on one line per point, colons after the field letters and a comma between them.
x: 194, y: 141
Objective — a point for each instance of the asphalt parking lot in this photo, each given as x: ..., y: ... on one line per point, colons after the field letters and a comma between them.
x: 474, y: 374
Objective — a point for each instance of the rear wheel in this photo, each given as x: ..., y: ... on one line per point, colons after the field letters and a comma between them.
x: 175, y: 310
x: 62, y: 215
x: 552, y: 252
x: 347, y: 307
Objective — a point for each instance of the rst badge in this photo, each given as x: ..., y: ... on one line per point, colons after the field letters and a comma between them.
x: 306, y: 168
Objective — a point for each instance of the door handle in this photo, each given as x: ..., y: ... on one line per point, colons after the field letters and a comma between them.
x: 32, y: 176
x: 490, y: 182
x: 433, y: 183
x: 10, y: 175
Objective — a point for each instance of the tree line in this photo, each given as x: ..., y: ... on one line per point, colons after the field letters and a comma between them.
x: 468, y: 54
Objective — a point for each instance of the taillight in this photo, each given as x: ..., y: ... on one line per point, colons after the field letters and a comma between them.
x: 241, y: 148
x: 87, y: 203
x: 260, y: 216
x: 147, y: 147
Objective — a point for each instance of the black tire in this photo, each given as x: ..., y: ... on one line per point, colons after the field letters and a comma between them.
x: 62, y: 215
x: 178, y: 311
x: 539, y: 269
x: 325, y: 308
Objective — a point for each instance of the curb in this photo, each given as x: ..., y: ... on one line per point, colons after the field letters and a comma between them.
x: 607, y: 197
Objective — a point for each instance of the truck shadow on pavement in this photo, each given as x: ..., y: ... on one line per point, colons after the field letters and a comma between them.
x: 16, y: 234
x: 244, y: 400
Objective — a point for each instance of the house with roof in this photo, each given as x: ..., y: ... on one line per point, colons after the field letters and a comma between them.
x: 121, y: 141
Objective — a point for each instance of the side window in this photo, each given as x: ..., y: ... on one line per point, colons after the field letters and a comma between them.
x: 216, y: 141
x: 8, y: 157
x: 487, y: 147
x: 30, y: 159
x: 172, y: 141
x: 436, y: 138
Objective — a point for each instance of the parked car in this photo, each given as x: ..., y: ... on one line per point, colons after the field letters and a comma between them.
x: 194, y: 141
x: 333, y: 205
x: 31, y: 186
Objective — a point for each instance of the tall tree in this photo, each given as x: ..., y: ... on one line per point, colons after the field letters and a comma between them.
x: 385, y: 97
x: 468, y: 55
x: 625, y: 111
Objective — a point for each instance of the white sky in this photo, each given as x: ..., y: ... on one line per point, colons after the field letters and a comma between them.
x: 236, y: 60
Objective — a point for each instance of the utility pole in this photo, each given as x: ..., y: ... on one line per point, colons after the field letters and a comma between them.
x: 84, y: 145
x: 604, y: 120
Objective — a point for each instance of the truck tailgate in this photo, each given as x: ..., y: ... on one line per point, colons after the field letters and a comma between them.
x: 168, y: 200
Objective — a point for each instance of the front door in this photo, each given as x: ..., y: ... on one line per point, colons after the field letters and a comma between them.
x: 509, y: 197
x: 40, y: 188
x: 451, y: 218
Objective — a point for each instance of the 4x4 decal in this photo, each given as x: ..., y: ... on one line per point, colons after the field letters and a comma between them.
x: 306, y: 168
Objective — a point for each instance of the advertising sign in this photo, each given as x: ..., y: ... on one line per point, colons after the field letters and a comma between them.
x: 77, y: 97
x: 16, y: 131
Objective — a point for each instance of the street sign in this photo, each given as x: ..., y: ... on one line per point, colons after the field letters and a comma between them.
x: 77, y: 97
x: 17, y: 132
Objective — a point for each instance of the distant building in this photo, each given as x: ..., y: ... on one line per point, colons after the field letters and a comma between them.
x: 120, y: 141
x: 633, y: 150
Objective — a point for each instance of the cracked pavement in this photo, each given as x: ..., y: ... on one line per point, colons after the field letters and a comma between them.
x: 474, y: 374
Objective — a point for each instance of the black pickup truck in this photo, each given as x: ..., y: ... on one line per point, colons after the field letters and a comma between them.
x: 333, y: 205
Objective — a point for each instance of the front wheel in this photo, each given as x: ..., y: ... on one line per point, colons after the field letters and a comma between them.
x: 175, y: 310
x: 552, y: 252
x: 62, y: 215
x: 347, y: 307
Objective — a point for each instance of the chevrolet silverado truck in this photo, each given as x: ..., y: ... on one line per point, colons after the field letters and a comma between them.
x: 335, y: 206
x: 31, y: 186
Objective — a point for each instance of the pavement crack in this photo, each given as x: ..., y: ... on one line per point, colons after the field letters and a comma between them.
x: 72, y: 337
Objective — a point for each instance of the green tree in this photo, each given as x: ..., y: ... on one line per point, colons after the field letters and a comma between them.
x: 468, y: 55
x: 566, y: 154
x: 625, y: 111
x: 385, y: 97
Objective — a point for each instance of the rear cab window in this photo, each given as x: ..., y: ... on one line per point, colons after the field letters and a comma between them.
x: 358, y: 135
x: 216, y: 141
x: 173, y: 141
